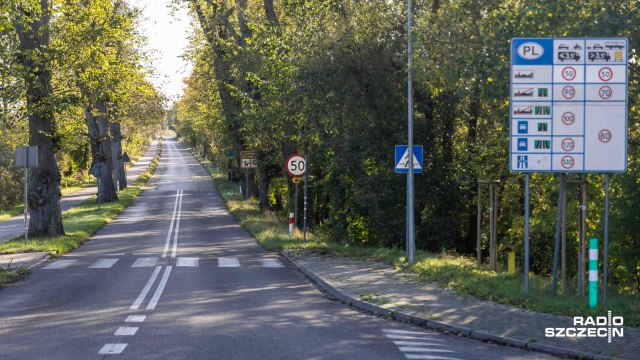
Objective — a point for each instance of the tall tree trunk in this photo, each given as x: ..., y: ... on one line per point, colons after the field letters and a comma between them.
x: 32, y: 27
x: 98, y: 125
x: 116, y: 155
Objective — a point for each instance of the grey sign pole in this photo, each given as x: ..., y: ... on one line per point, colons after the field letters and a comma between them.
x: 295, y: 208
x: 306, y: 181
x: 526, y: 234
x: 556, y: 249
x: 606, y: 239
x: 26, y: 157
x: 411, y: 231
x: 26, y: 225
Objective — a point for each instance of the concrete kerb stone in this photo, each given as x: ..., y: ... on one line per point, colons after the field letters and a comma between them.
x: 439, y: 325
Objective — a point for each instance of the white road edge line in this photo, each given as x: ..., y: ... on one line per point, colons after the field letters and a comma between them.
x: 145, y: 290
x: 160, y: 289
x: 175, y: 234
x: 422, y: 349
x: 173, y: 218
x: 428, y: 357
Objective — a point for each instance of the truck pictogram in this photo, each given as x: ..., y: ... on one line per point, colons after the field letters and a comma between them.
x: 568, y: 55
x: 599, y: 56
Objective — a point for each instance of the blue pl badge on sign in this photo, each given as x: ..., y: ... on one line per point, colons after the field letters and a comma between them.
x: 402, y: 159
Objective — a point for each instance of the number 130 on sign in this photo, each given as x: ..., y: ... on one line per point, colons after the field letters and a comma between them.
x: 296, y: 165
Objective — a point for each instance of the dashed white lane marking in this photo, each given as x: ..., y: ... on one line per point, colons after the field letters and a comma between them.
x: 160, y: 289
x: 428, y: 357
x: 422, y: 349
x: 403, y: 332
x: 145, y: 290
x: 271, y: 263
x: 173, y: 219
x: 187, y: 261
x: 103, y: 264
x: 228, y: 262
x: 60, y: 264
x: 112, y: 349
x: 175, y: 235
x: 143, y: 254
x: 126, y: 331
x: 145, y: 262
x: 136, y: 318
x: 414, y: 343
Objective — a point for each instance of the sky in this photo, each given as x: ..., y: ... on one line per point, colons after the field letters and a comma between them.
x: 167, y: 32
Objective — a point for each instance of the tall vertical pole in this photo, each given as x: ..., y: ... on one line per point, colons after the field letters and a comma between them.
x: 491, y: 202
x: 495, y: 227
x: 556, y: 249
x: 526, y: 234
x: 411, y: 232
x: 295, y: 207
x: 26, y: 209
x: 246, y: 185
x: 563, y: 280
x: 605, y: 260
x: 479, y: 226
x: 306, y: 180
x: 583, y: 237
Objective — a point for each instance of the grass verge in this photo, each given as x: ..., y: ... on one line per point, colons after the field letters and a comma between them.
x: 451, y: 271
x: 8, y: 276
x: 142, y: 180
x: 80, y: 222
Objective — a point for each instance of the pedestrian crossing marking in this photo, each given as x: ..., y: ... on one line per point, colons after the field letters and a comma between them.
x: 103, y: 264
x: 187, y: 262
x: 421, y: 345
x: 145, y: 262
x: 271, y: 263
x: 228, y: 262
x: 60, y: 264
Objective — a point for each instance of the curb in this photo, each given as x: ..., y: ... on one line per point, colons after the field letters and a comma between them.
x: 439, y: 325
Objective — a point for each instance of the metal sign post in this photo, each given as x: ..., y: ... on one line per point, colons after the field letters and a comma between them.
x: 556, y: 249
x: 605, y: 268
x: 526, y: 234
x: 97, y: 169
x: 411, y: 228
x: 306, y: 182
x: 26, y: 157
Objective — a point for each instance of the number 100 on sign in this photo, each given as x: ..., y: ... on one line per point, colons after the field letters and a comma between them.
x: 296, y: 165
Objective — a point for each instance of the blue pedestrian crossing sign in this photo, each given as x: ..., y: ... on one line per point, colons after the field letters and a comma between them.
x: 402, y: 159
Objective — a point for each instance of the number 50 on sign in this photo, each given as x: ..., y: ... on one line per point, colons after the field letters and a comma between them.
x: 296, y: 165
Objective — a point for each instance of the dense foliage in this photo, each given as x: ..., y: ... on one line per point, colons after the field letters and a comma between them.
x: 64, y: 66
x: 328, y: 78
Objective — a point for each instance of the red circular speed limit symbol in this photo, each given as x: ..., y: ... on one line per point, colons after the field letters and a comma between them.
x: 605, y: 92
x: 605, y: 74
x: 567, y: 162
x: 568, y: 92
x: 568, y: 73
x: 604, y: 136
x: 568, y: 144
x: 296, y: 165
x: 568, y: 118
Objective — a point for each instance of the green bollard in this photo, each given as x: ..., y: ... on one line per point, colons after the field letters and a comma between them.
x: 593, y: 272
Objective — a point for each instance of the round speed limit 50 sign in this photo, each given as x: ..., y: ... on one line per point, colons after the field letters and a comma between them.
x: 296, y: 165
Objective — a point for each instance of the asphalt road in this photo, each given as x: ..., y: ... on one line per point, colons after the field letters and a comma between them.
x: 176, y: 277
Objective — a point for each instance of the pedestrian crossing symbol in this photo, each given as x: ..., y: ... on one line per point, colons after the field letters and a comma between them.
x: 402, y: 159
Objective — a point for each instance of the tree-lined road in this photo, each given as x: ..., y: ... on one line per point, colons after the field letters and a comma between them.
x: 176, y: 277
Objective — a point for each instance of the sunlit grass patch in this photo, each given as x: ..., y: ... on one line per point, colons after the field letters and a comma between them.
x: 80, y: 223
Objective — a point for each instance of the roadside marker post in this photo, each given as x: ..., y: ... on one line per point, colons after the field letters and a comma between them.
x: 593, y: 273
x: 297, y: 166
x: 290, y: 224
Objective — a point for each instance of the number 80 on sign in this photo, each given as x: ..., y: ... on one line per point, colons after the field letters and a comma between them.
x: 296, y: 165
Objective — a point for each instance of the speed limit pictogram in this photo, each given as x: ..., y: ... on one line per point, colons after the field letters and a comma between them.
x: 568, y: 144
x: 567, y: 162
x: 604, y: 136
x: 568, y: 92
x: 605, y: 92
x: 568, y: 118
x: 605, y: 73
x: 568, y: 73
x: 296, y: 165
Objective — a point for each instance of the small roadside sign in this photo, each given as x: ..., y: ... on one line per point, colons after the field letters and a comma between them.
x: 126, y: 158
x: 296, y: 165
x: 98, y: 169
x: 248, y: 160
x: 402, y: 159
x: 26, y: 156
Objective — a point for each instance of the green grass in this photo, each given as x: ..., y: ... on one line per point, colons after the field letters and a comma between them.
x: 80, y: 223
x: 144, y: 178
x: 451, y: 271
x: 8, y: 276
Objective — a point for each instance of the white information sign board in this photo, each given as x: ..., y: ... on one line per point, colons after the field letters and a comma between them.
x: 568, y: 108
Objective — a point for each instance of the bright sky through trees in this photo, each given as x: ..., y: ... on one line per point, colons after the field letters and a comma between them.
x: 167, y: 33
